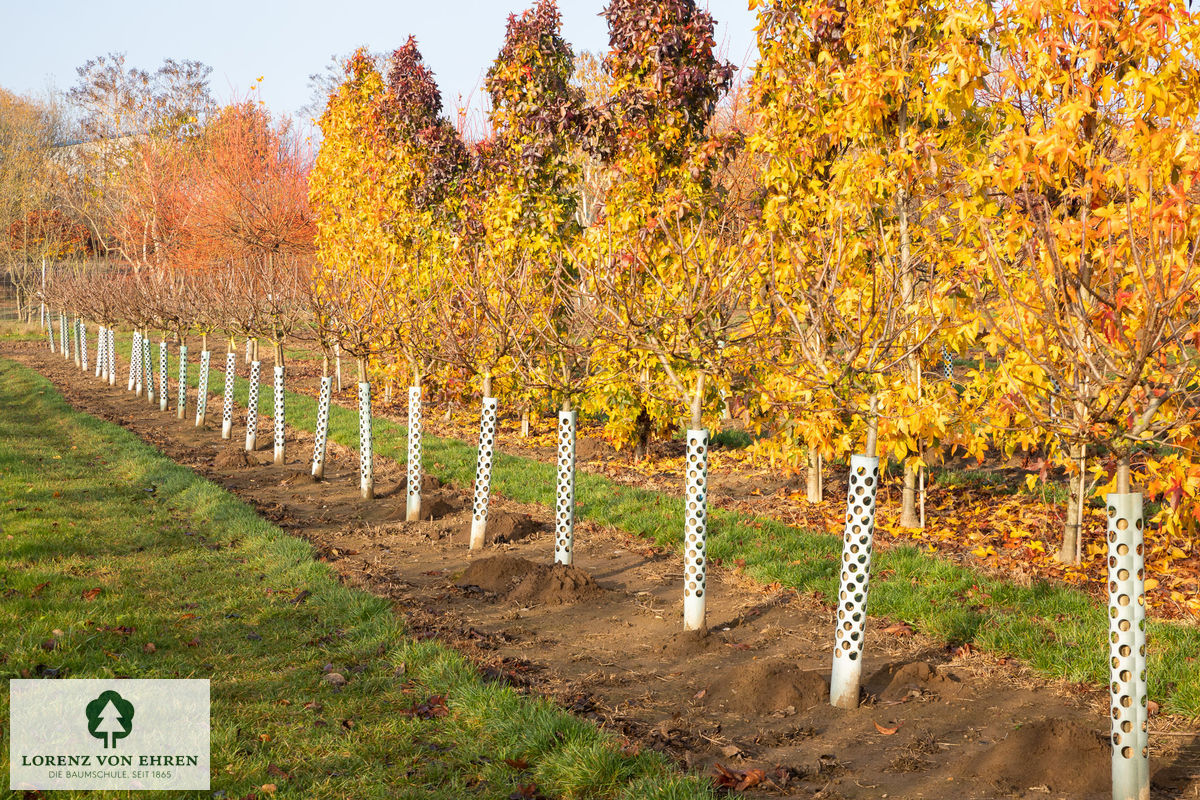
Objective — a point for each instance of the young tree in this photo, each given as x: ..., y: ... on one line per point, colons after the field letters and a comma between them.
x: 865, y: 110
x: 1091, y: 253
x: 665, y: 272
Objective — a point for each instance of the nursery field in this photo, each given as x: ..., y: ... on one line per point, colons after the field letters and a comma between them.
x: 116, y: 562
x: 976, y: 686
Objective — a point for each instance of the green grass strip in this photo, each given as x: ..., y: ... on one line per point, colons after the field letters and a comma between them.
x: 182, y: 564
x: 1056, y: 629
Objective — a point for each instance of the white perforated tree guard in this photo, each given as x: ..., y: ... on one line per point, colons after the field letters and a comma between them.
x: 62, y: 336
x: 413, y: 510
x: 1127, y: 648
x: 163, y: 388
x: 483, y: 472
x: 366, y: 462
x: 110, y: 352
x: 857, y: 541
x: 75, y: 341
x: 322, y: 433
x: 280, y: 420
x: 133, y: 361
x: 101, y: 341
x: 49, y: 330
x: 564, y: 507
x: 202, y: 388
x: 695, y: 531
x: 252, y: 406
x: 83, y: 347
x: 182, y: 389
x: 148, y: 369
x: 947, y: 364
x: 227, y: 395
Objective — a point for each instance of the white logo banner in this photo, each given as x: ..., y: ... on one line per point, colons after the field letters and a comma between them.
x: 108, y: 734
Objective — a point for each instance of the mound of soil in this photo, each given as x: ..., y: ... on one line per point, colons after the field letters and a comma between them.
x: 898, y: 682
x: 436, y: 504
x: 520, y: 581
x: 555, y: 586
x: 504, y: 527
x: 1062, y: 755
x: 687, y: 644
x: 771, y: 685
x: 429, y: 484
x: 233, y: 457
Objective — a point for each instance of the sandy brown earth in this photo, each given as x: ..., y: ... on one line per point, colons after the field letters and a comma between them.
x: 746, y: 702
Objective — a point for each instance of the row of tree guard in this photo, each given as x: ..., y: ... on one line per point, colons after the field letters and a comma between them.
x: 1126, y: 608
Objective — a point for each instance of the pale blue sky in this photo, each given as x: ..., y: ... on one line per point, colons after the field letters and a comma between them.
x: 286, y: 42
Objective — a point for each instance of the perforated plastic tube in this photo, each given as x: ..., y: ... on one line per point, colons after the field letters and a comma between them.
x: 252, y: 406
x: 413, y: 510
x: 135, y: 363
x: 110, y: 352
x: 137, y: 336
x: 322, y: 433
x: 695, y: 531
x: 202, y: 388
x: 181, y: 403
x: 227, y: 395
x: 101, y: 341
x: 163, y: 388
x: 857, y: 541
x: 564, y: 507
x: 366, y: 461
x: 1127, y: 648
x: 483, y: 472
x: 280, y: 418
x: 148, y: 369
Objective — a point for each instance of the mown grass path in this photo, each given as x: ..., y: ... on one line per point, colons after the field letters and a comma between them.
x: 1056, y: 629
x: 117, y: 562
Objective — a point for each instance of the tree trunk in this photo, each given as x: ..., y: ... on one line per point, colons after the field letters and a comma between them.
x: 814, y: 476
x: 872, y: 427
x: 641, y: 430
x: 908, y: 499
x: 1072, y: 537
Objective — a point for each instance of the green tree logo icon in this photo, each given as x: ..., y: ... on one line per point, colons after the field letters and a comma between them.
x: 110, y: 717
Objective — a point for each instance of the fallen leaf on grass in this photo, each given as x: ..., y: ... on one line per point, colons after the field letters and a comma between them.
x: 887, y: 731
x: 899, y: 629
x: 276, y: 772
x: 39, y: 588
x: 963, y: 650
x: 91, y: 594
x: 430, y: 709
x: 517, y: 763
x: 736, y: 780
x: 526, y: 792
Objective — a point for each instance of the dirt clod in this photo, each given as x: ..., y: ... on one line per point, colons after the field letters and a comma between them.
x: 898, y: 682
x: 505, y: 527
x: 1062, y: 755
x: 521, y: 581
x: 771, y: 685
x: 232, y: 457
